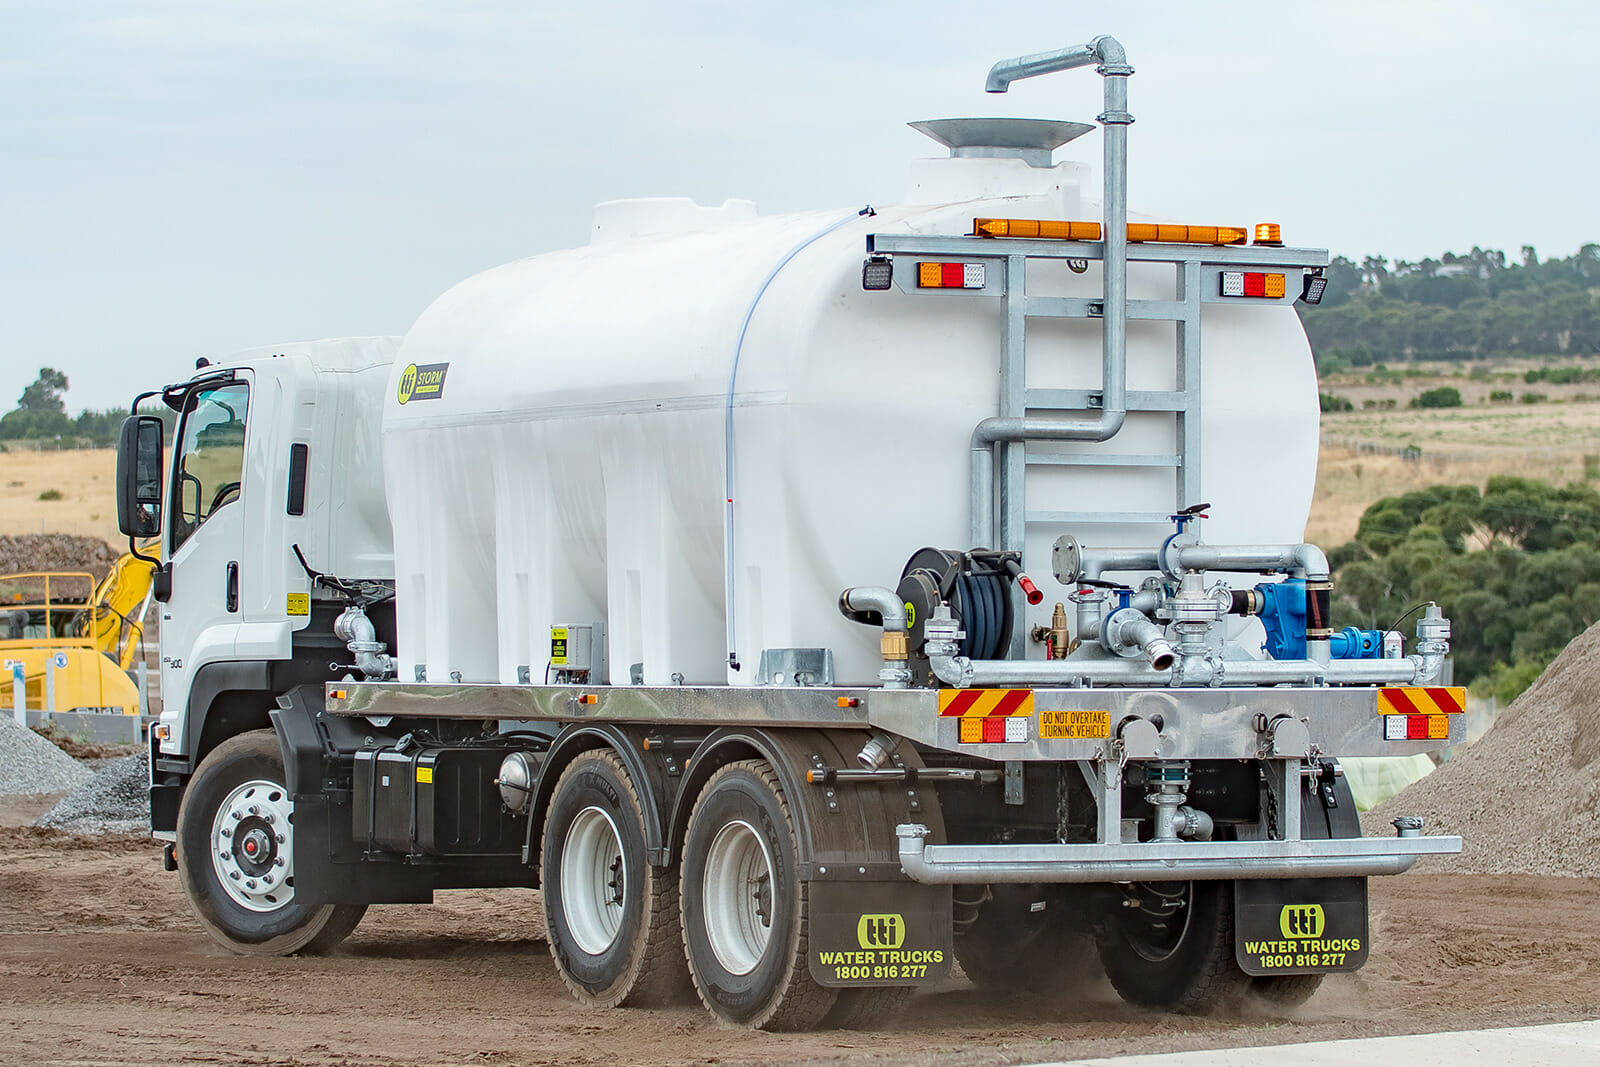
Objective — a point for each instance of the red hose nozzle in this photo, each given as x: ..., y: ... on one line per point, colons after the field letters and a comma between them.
x: 1029, y: 590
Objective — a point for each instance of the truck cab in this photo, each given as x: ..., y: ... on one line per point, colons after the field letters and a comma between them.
x: 274, y: 468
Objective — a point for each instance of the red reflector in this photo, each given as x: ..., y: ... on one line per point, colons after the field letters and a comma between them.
x: 952, y: 273
x: 1255, y: 284
x: 1416, y: 727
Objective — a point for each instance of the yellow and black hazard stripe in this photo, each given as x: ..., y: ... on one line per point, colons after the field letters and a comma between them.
x: 985, y: 703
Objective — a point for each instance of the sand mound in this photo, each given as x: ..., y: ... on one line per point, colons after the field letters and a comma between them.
x: 1526, y: 797
x: 56, y: 552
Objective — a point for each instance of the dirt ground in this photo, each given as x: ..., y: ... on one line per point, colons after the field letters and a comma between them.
x: 100, y: 963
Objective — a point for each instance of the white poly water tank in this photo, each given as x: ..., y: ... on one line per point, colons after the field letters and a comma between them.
x: 554, y: 442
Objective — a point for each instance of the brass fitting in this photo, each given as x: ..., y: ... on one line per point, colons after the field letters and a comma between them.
x: 895, y: 646
x: 1058, y: 643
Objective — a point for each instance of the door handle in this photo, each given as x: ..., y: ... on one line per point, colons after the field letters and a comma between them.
x: 233, y: 585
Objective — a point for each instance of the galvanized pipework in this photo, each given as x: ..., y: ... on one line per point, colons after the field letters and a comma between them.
x: 1114, y: 69
x: 894, y: 645
x: 360, y: 637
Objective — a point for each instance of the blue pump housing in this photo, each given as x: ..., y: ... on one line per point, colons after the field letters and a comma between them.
x: 1283, y: 613
x: 1351, y: 643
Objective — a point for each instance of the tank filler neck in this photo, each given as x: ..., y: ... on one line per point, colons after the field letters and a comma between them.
x: 1031, y: 140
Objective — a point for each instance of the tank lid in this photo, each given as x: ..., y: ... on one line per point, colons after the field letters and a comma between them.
x: 1030, y: 140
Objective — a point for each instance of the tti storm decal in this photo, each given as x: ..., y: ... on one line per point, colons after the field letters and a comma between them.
x: 1301, y: 920
x: 881, y: 931
x: 425, y: 382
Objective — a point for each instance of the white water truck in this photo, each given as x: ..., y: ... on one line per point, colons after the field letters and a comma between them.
x: 686, y: 577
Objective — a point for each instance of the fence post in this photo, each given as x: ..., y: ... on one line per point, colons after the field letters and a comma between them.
x: 19, y: 692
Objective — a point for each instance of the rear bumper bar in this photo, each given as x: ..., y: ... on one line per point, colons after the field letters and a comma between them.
x: 1161, y: 862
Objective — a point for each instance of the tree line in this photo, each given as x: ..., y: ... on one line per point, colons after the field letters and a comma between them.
x: 1515, y: 567
x: 1457, y: 307
x: 41, y: 414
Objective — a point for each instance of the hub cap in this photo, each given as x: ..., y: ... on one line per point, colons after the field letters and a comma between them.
x: 738, y: 897
x: 252, y: 846
x: 592, y: 883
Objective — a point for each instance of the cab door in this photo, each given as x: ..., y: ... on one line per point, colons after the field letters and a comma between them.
x: 205, y: 542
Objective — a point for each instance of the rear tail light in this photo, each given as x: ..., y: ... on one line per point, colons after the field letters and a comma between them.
x: 950, y: 275
x: 1254, y: 283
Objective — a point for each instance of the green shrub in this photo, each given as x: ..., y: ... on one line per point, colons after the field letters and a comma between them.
x: 1533, y: 398
x: 1330, y: 402
x: 1446, y: 396
x: 1501, y: 396
x: 50, y: 494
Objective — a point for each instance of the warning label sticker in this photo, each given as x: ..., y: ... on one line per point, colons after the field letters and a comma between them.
x: 299, y: 604
x: 1073, y: 725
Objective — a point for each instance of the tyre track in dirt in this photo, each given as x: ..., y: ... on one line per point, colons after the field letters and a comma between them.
x: 100, y: 963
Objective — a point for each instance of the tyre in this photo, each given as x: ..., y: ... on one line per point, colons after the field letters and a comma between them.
x: 1011, y: 944
x: 611, y: 918
x: 867, y: 1007
x: 235, y: 854
x: 1285, y: 990
x: 1174, y: 950
x: 744, y: 911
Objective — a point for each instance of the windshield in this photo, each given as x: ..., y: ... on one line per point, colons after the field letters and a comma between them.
x: 210, y: 456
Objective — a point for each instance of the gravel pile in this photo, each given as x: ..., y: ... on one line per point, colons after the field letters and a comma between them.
x: 1526, y: 796
x: 115, y: 801
x: 30, y: 764
x: 56, y: 552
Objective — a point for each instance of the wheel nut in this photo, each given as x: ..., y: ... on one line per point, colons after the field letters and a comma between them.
x: 282, y: 839
x: 266, y: 879
x: 226, y: 831
x: 249, y: 883
x: 236, y: 815
x: 271, y: 818
x: 255, y: 810
x: 234, y: 875
x: 277, y: 861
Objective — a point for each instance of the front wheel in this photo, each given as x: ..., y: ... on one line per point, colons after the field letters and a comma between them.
x: 235, y: 853
x: 744, y: 911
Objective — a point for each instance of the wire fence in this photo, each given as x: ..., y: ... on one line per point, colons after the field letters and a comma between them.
x: 1417, y: 453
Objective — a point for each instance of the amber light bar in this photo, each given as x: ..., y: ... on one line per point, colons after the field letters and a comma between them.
x: 1172, y: 233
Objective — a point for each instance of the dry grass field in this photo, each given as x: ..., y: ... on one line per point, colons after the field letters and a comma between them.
x: 1361, y: 461
x: 83, y: 478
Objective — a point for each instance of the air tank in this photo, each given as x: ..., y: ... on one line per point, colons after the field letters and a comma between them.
x: 582, y: 437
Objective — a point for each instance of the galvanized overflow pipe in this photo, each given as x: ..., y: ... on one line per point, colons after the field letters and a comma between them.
x: 1113, y: 67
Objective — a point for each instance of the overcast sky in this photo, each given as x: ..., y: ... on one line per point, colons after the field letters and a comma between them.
x: 190, y: 177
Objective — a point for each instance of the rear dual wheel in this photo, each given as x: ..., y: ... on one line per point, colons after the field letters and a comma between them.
x: 611, y: 918
x: 745, y: 921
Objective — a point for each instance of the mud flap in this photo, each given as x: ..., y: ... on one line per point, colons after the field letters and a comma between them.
x: 879, y: 933
x: 1300, y: 925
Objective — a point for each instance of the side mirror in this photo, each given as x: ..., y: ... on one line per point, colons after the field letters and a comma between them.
x: 139, y: 476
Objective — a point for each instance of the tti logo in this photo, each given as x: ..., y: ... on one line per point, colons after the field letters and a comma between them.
x: 1301, y: 920
x: 881, y: 931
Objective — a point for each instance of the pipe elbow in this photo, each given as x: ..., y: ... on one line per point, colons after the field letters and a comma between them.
x: 1109, y: 51
x: 998, y: 81
x: 1313, y: 561
x: 886, y: 602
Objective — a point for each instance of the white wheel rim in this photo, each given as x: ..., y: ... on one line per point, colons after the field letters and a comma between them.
x: 252, y: 846
x: 738, y: 897
x: 592, y: 886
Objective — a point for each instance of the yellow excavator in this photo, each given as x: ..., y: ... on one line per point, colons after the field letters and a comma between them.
x: 76, y: 641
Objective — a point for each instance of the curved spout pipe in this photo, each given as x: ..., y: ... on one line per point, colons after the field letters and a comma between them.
x: 1114, y: 69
